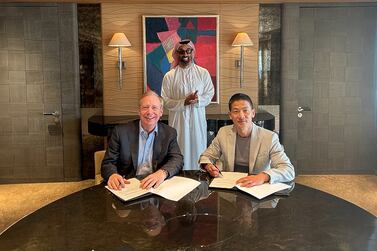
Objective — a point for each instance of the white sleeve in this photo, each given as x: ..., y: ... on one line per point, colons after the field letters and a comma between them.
x: 208, y: 91
x: 167, y: 94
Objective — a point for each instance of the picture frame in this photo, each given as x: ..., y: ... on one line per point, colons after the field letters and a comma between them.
x: 161, y: 33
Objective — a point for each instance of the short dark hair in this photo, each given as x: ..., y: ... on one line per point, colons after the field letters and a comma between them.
x: 240, y: 96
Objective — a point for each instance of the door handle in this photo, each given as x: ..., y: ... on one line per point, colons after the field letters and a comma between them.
x: 304, y: 109
x: 56, y: 114
x: 301, y: 109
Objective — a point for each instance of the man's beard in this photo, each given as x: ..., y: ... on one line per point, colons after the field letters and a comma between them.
x: 184, y: 61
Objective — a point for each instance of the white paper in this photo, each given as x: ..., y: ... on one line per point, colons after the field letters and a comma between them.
x: 130, y: 191
x: 263, y: 190
x: 228, y: 180
x: 176, y: 188
x: 172, y: 189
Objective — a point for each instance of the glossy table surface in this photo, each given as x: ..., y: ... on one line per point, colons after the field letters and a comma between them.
x: 205, y: 219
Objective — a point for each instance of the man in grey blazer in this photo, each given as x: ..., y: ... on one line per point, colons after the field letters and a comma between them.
x: 246, y: 147
x: 144, y: 148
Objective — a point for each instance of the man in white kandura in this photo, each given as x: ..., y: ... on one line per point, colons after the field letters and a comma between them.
x: 187, y: 89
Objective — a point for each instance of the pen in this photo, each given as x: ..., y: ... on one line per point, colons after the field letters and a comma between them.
x: 220, y: 173
x: 209, y: 171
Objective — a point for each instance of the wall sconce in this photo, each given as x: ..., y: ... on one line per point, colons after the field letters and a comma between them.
x: 120, y: 40
x: 242, y: 39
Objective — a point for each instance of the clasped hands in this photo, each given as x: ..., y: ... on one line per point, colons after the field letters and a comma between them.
x: 155, y: 179
x: 192, y: 98
x: 248, y: 181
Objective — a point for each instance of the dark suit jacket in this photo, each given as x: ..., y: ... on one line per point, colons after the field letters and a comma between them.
x: 122, y: 153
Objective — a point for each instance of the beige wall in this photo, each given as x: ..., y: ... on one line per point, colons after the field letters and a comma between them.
x: 127, y: 18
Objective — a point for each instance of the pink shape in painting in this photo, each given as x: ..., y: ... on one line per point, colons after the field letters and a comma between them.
x: 151, y: 46
x: 172, y: 23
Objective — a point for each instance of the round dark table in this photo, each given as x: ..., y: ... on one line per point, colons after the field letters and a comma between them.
x: 205, y: 219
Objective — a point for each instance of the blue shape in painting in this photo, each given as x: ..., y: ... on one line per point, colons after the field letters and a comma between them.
x: 156, y: 56
x: 155, y: 76
x: 165, y: 65
x: 210, y: 33
x: 184, y: 33
x: 154, y: 25
x: 157, y: 66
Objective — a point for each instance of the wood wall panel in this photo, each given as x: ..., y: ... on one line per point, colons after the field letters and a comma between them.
x: 127, y: 18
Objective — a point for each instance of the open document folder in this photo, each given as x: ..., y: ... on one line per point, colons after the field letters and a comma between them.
x: 229, y: 179
x: 172, y: 189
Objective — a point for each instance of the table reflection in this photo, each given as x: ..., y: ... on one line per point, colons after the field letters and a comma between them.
x: 205, y: 219
x: 202, y: 220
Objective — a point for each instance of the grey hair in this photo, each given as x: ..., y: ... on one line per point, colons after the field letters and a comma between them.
x: 151, y: 93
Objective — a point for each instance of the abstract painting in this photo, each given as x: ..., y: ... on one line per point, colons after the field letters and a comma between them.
x: 161, y: 33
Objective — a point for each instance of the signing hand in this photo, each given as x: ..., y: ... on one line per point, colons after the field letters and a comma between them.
x: 253, y: 180
x: 117, y: 182
x: 153, y: 180
x: 212, y: 170
x: 192, y: 98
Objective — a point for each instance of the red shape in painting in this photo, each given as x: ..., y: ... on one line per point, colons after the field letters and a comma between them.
x: 206, y: 23
x: 206, y: 53
x: 190, y: 25
x: 151, y: 46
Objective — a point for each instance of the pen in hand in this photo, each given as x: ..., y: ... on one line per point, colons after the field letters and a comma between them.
x: 218, y: 169
x: 220, y: 173
x: 211, y: 168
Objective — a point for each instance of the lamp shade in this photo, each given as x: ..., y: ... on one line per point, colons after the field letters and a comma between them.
x: 242, y: 39
x: 119, y: 40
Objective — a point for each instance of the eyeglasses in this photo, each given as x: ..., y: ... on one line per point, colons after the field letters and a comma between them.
x: 181, y: 51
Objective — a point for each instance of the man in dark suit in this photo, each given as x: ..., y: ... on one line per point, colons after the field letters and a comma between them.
x: 145, y: 148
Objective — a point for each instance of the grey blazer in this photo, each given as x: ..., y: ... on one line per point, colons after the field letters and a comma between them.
x: 266, y: 153
x: 122, y: 153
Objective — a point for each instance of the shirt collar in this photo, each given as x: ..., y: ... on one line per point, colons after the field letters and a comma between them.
x: 143, y: 132
x: 186, y: 68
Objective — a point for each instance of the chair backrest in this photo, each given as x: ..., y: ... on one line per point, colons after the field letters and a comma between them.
x: 98, y: 157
